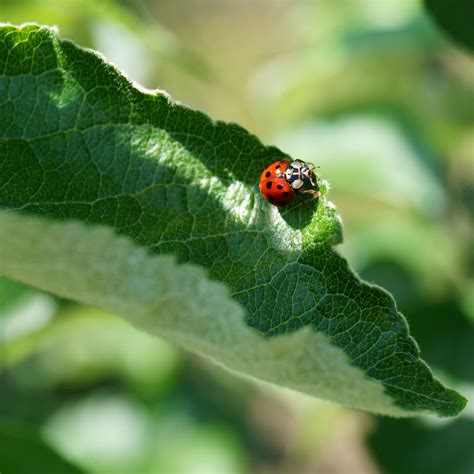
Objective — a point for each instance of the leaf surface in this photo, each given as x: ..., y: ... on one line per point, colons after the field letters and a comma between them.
x: 142, y: 175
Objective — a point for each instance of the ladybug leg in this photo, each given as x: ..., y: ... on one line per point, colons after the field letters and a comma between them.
x: 311, y: 167
x: 315, y: 194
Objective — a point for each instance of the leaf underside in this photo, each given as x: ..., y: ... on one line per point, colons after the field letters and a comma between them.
x: 79, y: 142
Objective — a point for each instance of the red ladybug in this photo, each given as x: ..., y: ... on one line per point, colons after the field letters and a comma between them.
x: 282, y: 179
x: 274, y: 186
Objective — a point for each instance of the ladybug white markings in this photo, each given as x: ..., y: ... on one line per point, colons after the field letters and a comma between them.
x: 297, y: 173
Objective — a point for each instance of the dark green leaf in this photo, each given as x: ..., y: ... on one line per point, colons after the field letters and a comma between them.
x: 22, y: 451
x: 456, y: 18
x: 407, y: 447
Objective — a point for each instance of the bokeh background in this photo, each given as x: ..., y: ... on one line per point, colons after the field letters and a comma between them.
x: 373, y: 93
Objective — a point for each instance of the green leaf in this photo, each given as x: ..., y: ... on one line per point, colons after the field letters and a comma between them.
x: 78, y: 141
x: 22, y: 451
x: 179, y: 302
x: 405, y: 447
x: 455, y: 18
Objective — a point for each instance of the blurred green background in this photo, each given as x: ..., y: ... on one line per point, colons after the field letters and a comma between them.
x: 372, y: 92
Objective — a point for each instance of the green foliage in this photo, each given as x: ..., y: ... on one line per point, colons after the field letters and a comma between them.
x: 22, y: 451
x: 413, y: 446
x: 10, y: 292
x: 90, y: 18
x: 455, y: 18
x: 78, y: 141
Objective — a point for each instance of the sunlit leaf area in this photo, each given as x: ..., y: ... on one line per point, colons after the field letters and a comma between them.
x: 116, y: 358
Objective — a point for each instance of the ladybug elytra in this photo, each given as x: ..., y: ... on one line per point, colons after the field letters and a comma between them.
x: 282, y: 179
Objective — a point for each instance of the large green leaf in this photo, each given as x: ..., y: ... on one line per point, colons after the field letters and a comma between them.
x: 78, y: 141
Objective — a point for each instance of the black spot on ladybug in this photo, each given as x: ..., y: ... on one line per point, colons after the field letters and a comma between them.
x: 277, y: 166
x: 268, y: 174
x: 280, y: 186
x: 269, y: 184
x: 285, y: 194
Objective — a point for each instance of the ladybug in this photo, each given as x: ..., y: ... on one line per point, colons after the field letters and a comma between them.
x: 282, y: 179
